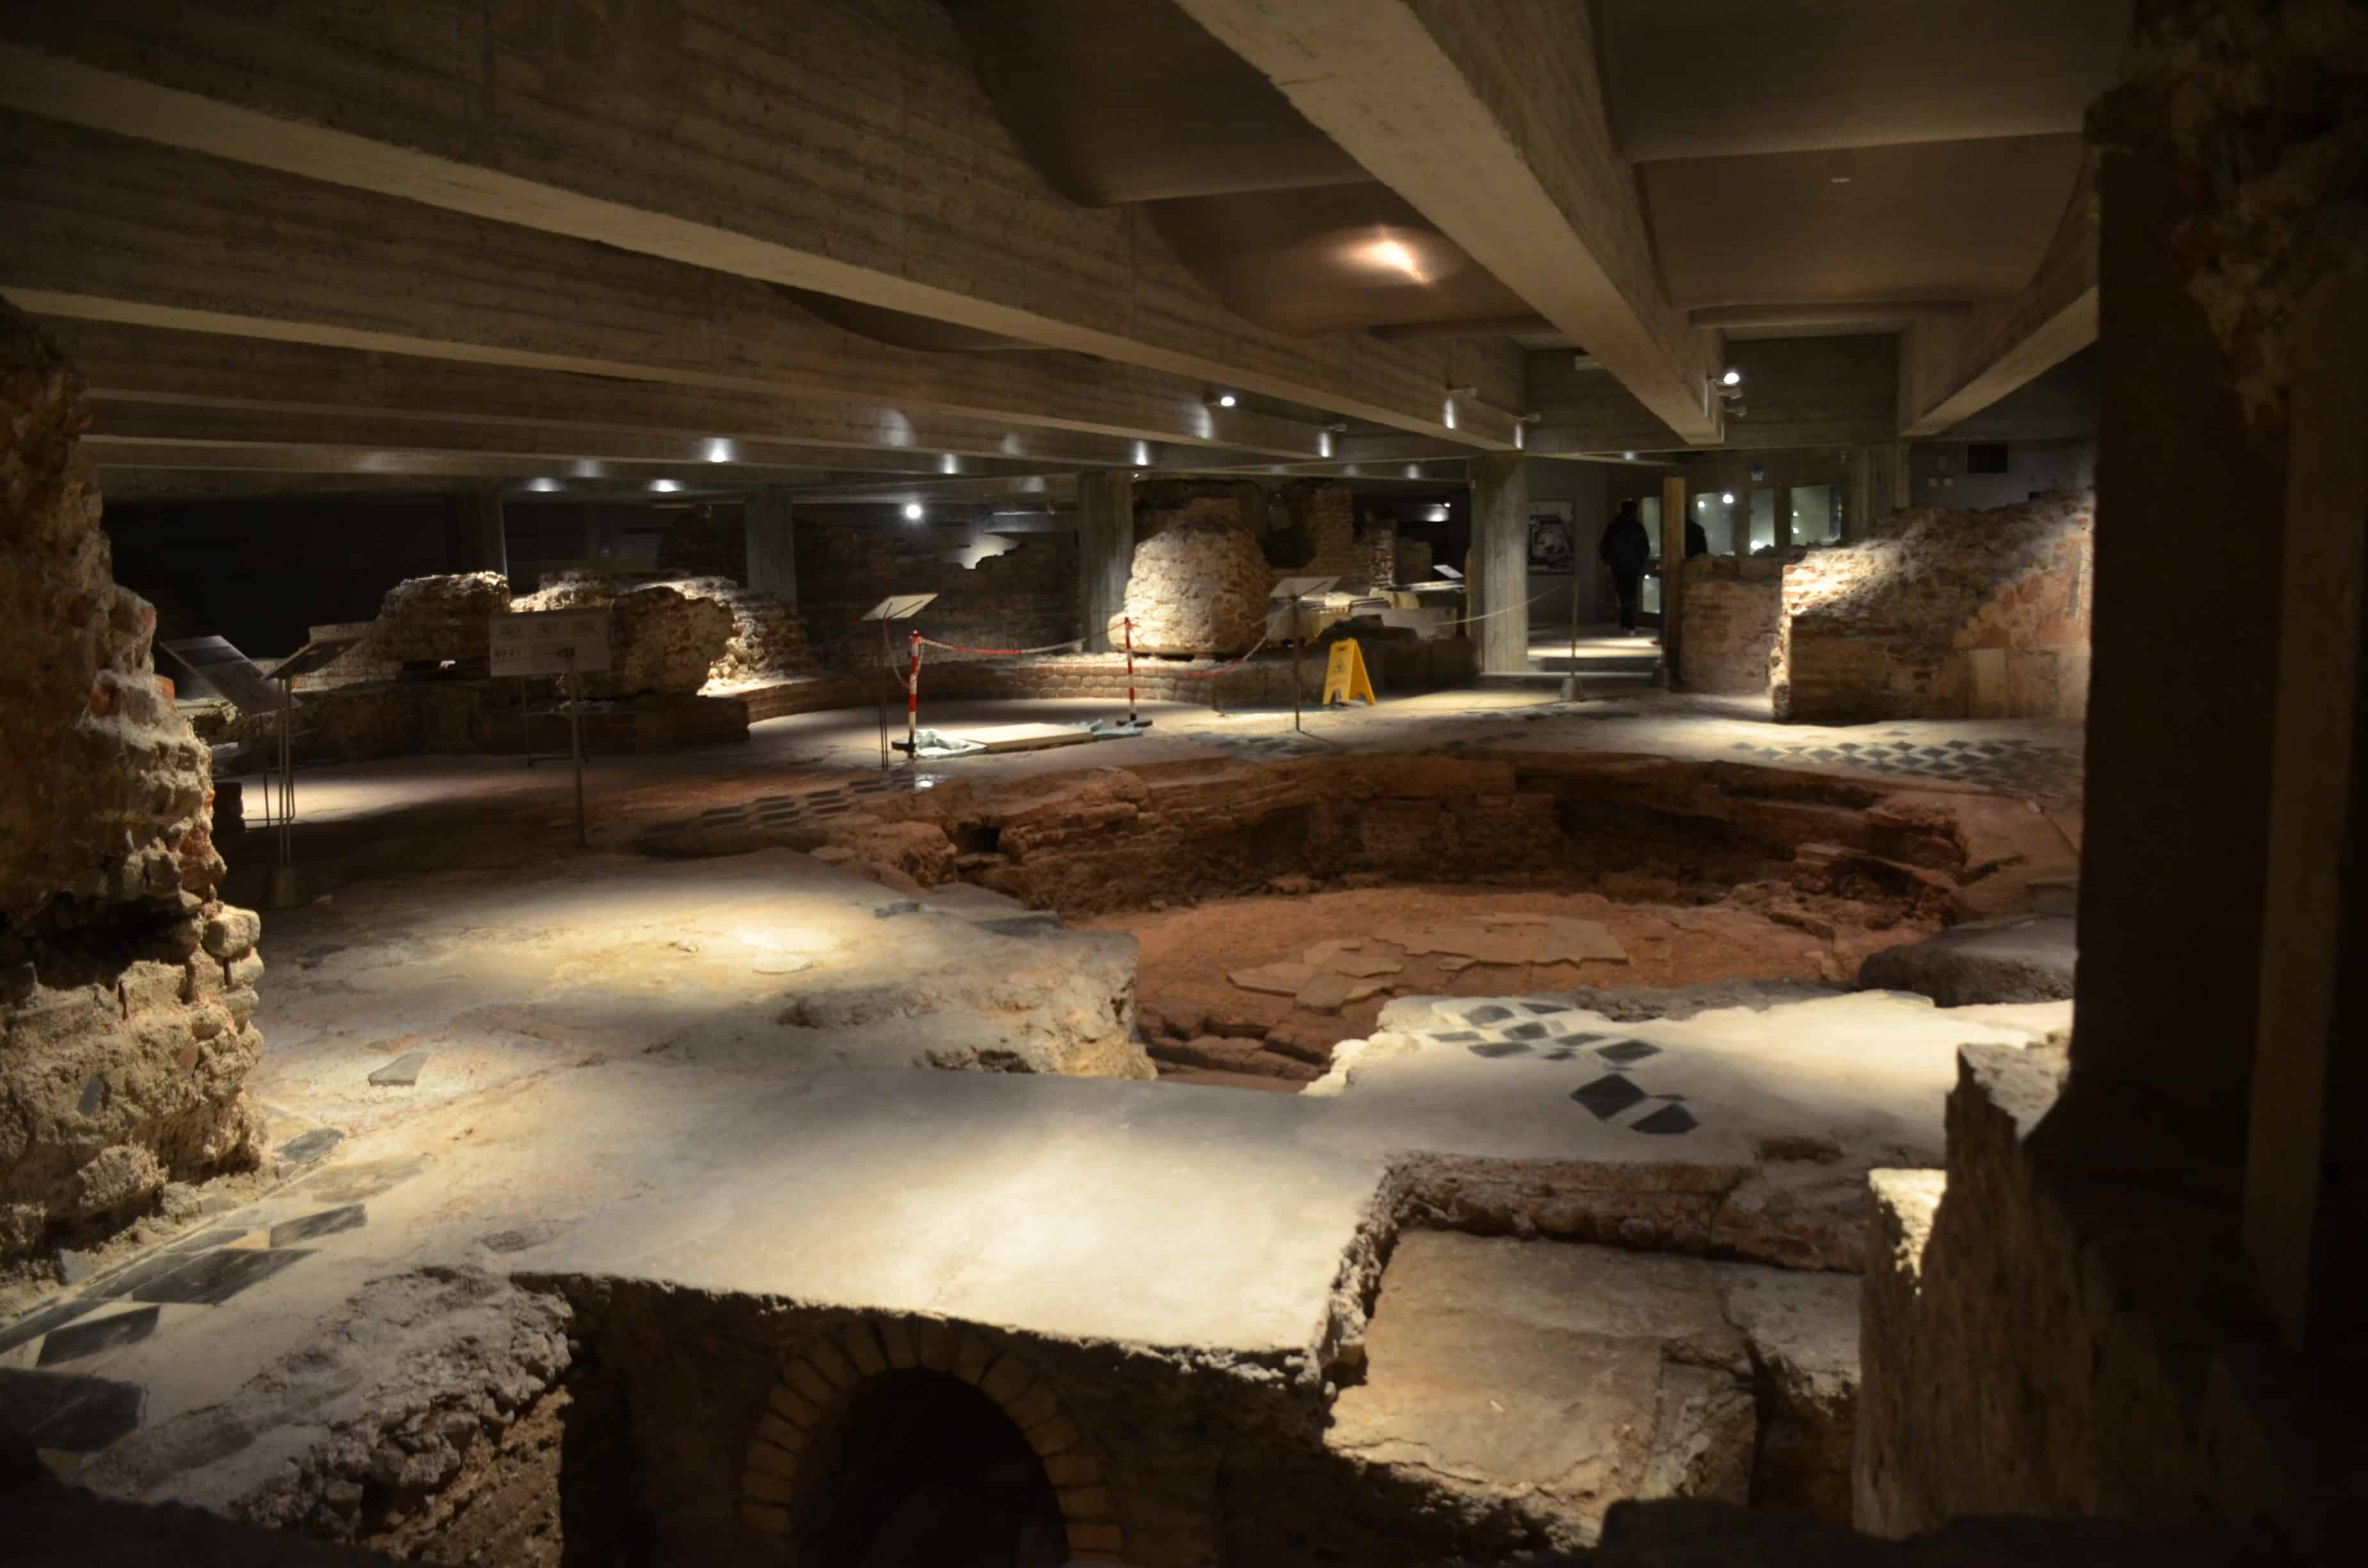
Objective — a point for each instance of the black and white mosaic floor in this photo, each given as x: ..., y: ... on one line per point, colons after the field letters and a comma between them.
x: 1616, y: 1085
x: 2010, y: 766
x: 51, y: 1359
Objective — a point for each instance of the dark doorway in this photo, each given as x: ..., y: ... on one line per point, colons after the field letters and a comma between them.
x: 922, y: 1470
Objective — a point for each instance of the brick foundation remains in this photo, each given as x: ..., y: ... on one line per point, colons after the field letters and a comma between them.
x: 1730, y: 612
x: 1946, y: 615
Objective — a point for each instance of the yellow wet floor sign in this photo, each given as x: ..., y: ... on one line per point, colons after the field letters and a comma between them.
x: 1345, y: 677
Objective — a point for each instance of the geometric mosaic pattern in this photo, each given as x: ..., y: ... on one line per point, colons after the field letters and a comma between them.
x: 2014, y: 766
x: 62, y: 1405
x: 1605, y: 1085
x: 782, y: 811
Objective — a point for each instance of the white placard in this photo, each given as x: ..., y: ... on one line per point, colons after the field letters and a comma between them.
x: 536, y: 643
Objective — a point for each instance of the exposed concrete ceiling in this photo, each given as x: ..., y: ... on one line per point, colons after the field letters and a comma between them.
x: 1728, y: 78
x: 1206, y: 234
x: 1923, y: 222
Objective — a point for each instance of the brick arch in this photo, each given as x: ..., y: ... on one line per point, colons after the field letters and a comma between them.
x: 820, y: 1375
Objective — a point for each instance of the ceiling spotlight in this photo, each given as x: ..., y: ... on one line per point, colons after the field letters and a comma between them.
x: 1627, y: 457
x: 1727, y: 498
x: 664, y: 487
x: 719, y: 451
x: 1438, y: 514
x: 1731, y: 379
x: 1394, y: 255
x: 912, y: 511
x: 1225, y: 399
x: 1700, y: 500
x: 544, y: 485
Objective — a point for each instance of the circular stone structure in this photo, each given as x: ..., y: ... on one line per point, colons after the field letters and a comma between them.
x: 1196, y: 587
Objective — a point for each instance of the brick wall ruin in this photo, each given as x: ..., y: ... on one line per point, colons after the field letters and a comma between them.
x: 1729, y: 632
x: 126, y: 986
x: 1945, y: 614
x: 1025, y: 598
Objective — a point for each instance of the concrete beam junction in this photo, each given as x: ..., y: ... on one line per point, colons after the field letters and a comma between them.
x: 1491, y: 120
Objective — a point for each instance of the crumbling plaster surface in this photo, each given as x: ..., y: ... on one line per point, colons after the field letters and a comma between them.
x: 125, y: 987
x: 2264, y: 107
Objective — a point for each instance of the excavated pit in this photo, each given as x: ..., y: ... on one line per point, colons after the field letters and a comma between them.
x: 1688, y: 873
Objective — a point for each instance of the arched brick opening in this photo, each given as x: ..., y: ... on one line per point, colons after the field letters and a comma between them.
x: 822, y: 1379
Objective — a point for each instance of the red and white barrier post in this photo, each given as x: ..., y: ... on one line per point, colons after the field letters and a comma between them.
x: 913, y: 704
x: 1130, y: 669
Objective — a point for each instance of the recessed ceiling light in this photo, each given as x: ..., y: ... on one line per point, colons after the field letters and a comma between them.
x: 912, y: 511
x: 664, y: 487
x: 1731, y: 379
x: 1727, y: 497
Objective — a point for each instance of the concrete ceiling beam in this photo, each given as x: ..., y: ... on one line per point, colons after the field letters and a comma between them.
x: 127, y: 364
x: 119, y: 424
x: 656, y: 479
x: 708, y: 133
x: 1951, y: 368
x: 1491, y: 120
x: 109, y: 230
x: 1052, y: 489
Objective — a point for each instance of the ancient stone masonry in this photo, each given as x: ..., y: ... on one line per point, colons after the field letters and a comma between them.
x: 1024, y: 598
x: 426, y: 621
x: 1197, y: 587
x: 1947, y: 613
x: 1325, y: 518
x: 125, y: 987
x: 663, y: 638
x: 1730, y: 609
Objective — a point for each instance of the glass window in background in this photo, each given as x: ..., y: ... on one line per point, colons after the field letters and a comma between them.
x: 1817, y: 513
x: 1716, y: 516
x: 1763, y: 521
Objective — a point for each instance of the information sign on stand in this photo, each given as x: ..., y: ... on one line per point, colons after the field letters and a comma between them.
x: 897, y: 607
x: 218, y: 665
x: 555, y: 642
x: 1291, y: 591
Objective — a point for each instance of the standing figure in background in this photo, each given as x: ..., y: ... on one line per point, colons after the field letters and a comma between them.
x: 1625, y: 550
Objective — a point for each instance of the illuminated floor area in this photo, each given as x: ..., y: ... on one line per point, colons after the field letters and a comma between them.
x: 502, y: 1071
x: 697, y: 1072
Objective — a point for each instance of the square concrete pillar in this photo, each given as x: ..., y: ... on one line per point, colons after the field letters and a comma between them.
x: 772, y: 546
x: 1104, y: 549
x: 1497, y: 573
x: 2307, y: 1157
x: 2189, y: 529
x: 478, y: 540
x: 1673, y: 579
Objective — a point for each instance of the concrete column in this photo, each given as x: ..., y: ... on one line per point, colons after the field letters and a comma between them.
x: 1104, y: 549
x: 479, y: 542
x: 1858, y: 504
x: 1498, y: 570
x: 772, y: 546
x: 1784, y: 517
x: 2189, y: 538
x: 1673, y: 578
x: 2307, y: 1154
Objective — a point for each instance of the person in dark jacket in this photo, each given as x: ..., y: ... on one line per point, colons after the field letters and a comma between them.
x: 1625, y: 550
x: 1697, y: 540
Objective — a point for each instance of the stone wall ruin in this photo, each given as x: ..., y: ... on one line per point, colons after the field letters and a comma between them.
x: 1945, y: 614
x: 127, y: 986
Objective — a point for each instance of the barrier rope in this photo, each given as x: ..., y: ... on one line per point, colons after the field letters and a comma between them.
x: 1222, y: 669
x: 1470, y: 619
x: 1077, y: 642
